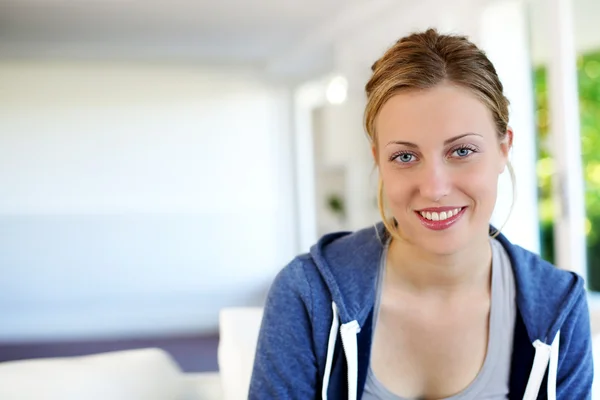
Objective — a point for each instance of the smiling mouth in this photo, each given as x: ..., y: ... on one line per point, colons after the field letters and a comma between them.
x: 440, y: 215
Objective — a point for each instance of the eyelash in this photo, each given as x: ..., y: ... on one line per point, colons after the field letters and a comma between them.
x: 472, y: 150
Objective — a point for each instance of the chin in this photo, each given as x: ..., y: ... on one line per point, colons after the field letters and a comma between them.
x: 440, y: 243
x: 442, y: 247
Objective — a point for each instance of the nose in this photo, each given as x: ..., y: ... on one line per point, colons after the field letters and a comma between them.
x: 434, y: 181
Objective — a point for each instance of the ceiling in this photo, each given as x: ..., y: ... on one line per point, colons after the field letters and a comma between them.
x: 238, y: 32
x: 217, y: 31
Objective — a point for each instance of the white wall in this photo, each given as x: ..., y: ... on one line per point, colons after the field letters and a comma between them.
x: 586, y: 30
x: 504, y: 34
x: 138, y: 199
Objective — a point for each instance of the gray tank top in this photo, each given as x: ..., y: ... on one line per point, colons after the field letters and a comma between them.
x: 492, y: 381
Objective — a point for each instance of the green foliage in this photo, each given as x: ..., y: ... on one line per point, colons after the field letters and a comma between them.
x: 336, y: 205
x: 588, y: 72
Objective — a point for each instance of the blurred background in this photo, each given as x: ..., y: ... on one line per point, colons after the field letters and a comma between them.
x: 161, y: 161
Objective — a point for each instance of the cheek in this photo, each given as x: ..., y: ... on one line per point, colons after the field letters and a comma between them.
x: 481, y: 184
x: 396, y: 195
x: 396, y: 186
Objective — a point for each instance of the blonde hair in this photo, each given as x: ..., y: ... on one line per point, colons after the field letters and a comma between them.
x: 424, y: 60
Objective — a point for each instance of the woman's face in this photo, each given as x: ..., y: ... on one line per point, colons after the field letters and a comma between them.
x: 439, y: 157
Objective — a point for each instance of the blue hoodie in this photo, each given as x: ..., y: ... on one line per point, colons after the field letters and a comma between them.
x: 316, y: 333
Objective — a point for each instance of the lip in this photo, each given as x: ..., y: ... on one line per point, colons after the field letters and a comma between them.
x: 439, y: 209
x: 440, y: 225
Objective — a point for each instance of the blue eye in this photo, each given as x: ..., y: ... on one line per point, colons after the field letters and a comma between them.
x: 463, y: 152
x: 405, y: 157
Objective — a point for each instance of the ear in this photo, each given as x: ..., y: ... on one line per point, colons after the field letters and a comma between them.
x: 374, y: 152
x: 505, y: 147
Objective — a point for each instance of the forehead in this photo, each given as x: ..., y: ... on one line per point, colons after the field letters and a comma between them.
x: 433, y: 114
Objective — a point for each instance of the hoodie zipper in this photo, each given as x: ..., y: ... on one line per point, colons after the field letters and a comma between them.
x: 349, y: 343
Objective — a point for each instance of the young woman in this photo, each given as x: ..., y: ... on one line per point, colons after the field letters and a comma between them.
x: 432, y: 303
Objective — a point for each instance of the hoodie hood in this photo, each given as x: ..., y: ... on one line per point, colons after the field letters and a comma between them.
x: 348, y: 264
x: 545, y: 293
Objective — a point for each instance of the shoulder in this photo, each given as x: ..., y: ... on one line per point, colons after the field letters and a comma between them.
x: 536, y: 274
x: 299, y: 279
x: 296, y: 275
x: 547, y: 296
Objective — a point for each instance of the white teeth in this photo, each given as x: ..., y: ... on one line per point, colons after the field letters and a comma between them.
x: 433, y: 216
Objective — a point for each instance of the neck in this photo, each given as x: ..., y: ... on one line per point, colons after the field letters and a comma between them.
x: 419, y: 271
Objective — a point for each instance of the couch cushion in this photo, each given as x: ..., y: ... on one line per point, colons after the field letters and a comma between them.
x: 238, y: 336
x: 146, y: 374
x: 203, y: 386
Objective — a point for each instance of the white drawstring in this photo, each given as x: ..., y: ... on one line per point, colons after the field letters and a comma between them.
x: 335, y: 324
x: 544, y: 354
x: 348, y: 332
x: 553, y: 369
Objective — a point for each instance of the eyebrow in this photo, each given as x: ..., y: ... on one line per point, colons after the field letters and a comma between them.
x: 446, y: 142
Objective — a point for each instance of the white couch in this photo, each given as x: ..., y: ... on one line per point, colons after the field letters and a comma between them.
x: 238, y: 334
x: 146, y: 374
x: 151, y: 374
